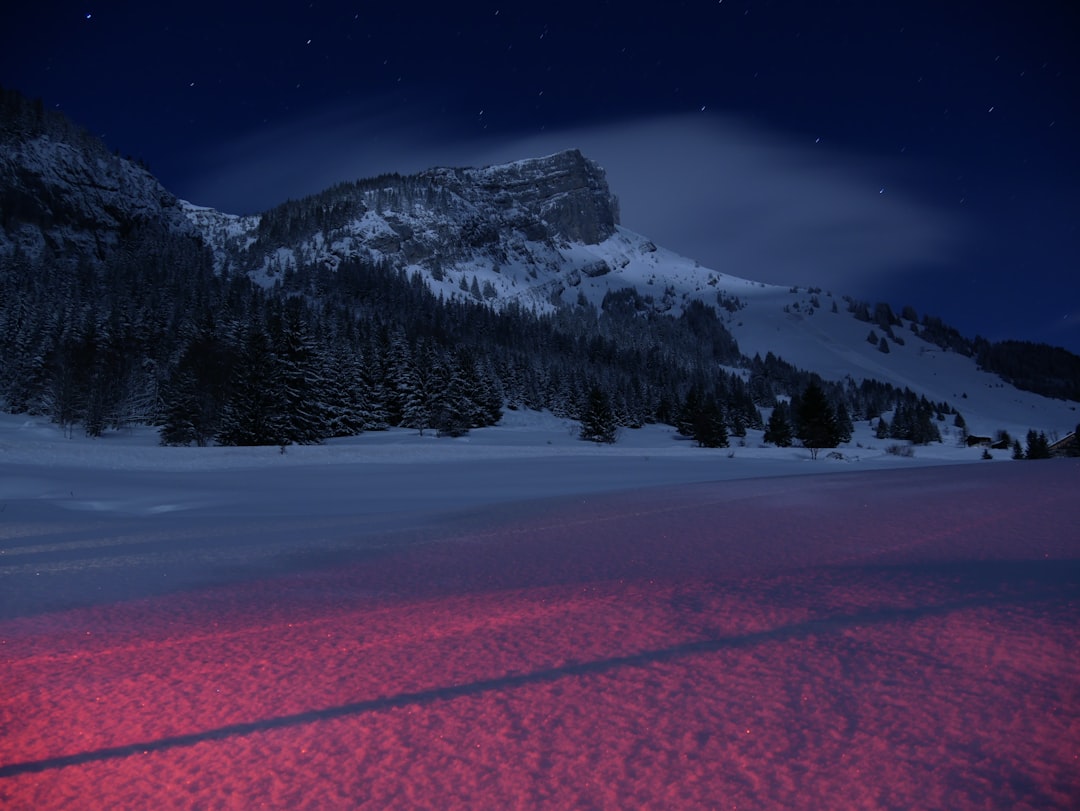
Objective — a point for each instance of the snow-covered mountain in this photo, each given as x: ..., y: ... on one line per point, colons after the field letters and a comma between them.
x: 76, y: 200
x: 524, y: 229
x: 541, y: 233
x: 544, y: 233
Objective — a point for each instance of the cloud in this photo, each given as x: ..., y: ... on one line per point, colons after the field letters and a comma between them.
x: 747, y: 201
x: 737, y: 197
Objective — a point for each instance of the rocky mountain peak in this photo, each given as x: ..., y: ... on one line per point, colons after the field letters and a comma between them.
x: 565, y: 191
x: 63, y: 192
x: 520, y: 217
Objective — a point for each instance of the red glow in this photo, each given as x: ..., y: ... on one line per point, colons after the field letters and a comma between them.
x: 568, y: 666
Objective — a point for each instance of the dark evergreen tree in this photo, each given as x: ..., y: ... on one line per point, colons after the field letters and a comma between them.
x: 253, y: 413
x: 1038, y: 446
x: 902, y: 423
x: 180, y: 423
x: 453, y: 411
x: 302, y: 369
x: 914, y: 421
x: 687, y: 417
x: 883, y: 429
x: 709, y: 428
x: 844, y: 426
x: 598, y: 420
x: 816, y: 420
x: 778, y: 431
x: 924, y: 429
x: 348, y: 400
x: 419, y: 386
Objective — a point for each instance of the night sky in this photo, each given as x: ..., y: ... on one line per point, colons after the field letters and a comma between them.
x: 920, y: 152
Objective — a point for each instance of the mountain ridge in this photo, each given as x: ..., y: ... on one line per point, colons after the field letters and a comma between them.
x: 539, y: 234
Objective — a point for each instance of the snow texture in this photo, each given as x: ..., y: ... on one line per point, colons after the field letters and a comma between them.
x: 520, y: 619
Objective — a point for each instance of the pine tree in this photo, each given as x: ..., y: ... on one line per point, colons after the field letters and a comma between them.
x: 844, y: 426
x: 924, y: 428
x: 709, y: 428
x: 882, y: 431
x: 598, y: 420
x: 901, y: 427
x: 348, y: 402
x: 1038, y: 446
x: 778, y: 431
x: 452, y: 411
x: 418, y: 386
x: 687, y: 416
x: 253, y: 413
x: 816, y: 421
x: 303, y: 384
x: 181, y: 405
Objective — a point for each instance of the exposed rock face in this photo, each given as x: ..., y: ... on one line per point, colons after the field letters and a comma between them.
x: 77, y: 201
x: 522, y: 215
x: 520, y: 228
x: 567, y: 192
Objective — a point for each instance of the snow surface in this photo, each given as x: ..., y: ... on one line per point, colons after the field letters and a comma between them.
x: 519, y: 619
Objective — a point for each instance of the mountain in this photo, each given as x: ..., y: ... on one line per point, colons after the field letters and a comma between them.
x: 62, y: 193
x: 516, y: 278
x: 515, y: 225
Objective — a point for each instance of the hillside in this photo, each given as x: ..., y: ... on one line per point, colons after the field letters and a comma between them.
x: 435, y: 300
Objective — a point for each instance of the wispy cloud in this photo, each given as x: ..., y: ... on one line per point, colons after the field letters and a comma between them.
x: 737, y: 197
x: 748, y: 201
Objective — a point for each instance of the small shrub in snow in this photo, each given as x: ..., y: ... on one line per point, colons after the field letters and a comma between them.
x: 905, y: 451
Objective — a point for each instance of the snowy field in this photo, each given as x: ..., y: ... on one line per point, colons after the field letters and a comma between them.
x: 516, y: 619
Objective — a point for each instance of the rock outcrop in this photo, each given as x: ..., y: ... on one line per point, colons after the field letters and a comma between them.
x: 77, y: 201
x: 566, y: 192
x: 520, y: 231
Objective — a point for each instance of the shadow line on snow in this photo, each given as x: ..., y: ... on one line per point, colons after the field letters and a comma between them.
x: 1062, y: 597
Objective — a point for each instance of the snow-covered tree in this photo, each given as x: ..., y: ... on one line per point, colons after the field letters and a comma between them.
x: 253, y: 412
x: 778, y: 431
x: 816, y: 420
x: 598, y: 420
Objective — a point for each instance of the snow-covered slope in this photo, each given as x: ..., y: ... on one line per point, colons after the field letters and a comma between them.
x: 802, y: 327
x: 835, y: 344
x: 515, y: 226
x: 541, y: 233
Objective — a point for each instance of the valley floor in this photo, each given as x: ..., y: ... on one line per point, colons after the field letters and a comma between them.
x: 518, y: 619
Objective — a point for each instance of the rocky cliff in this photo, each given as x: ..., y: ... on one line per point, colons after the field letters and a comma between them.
x: 64, y: 193
x: 566, y: 194
x: 496, y: 215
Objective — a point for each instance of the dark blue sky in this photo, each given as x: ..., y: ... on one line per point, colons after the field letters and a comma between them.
x: 921, y: 152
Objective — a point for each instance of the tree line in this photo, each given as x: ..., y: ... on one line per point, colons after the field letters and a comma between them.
x: 1036, y: 367
x: 154, y: 335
